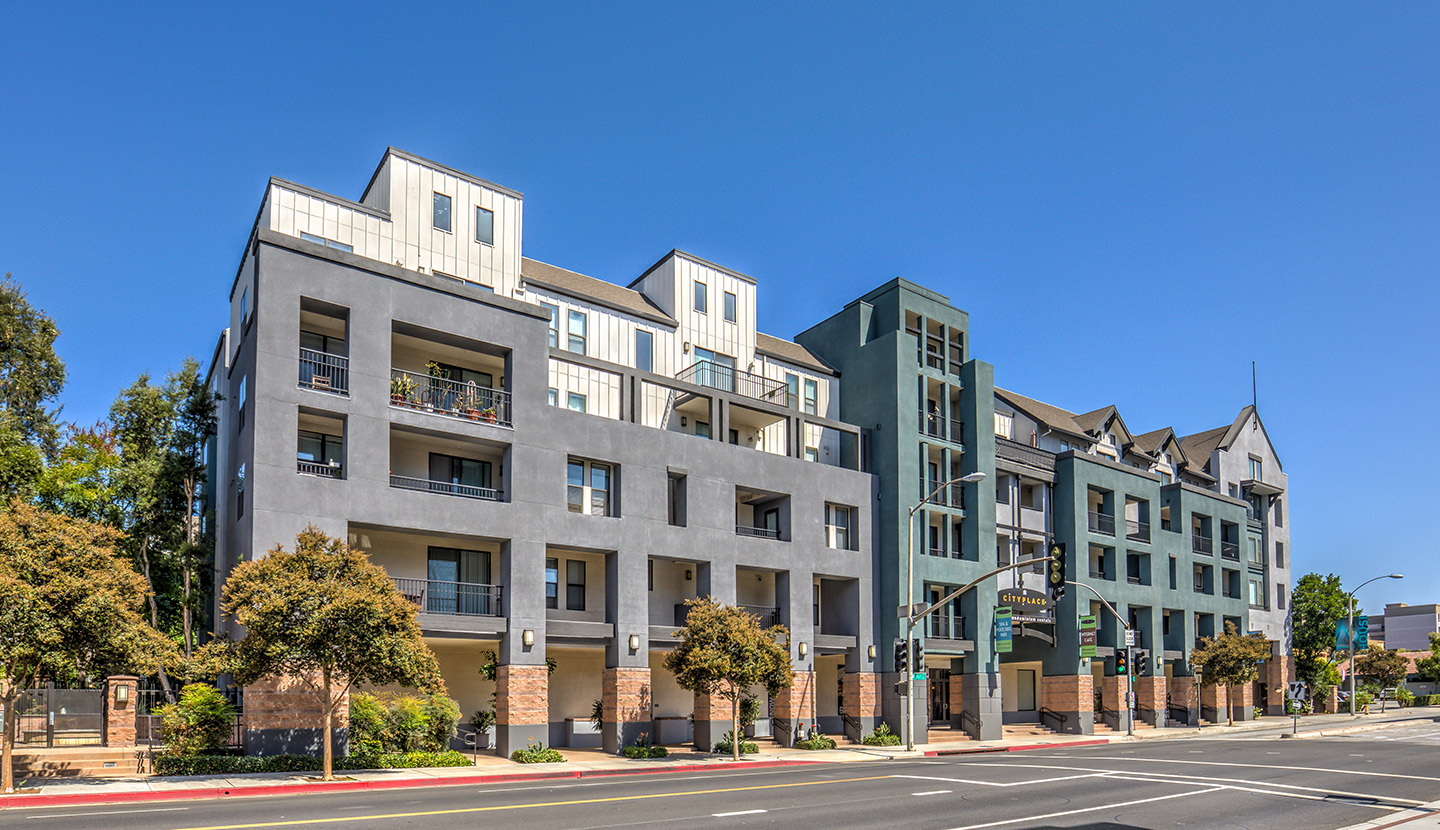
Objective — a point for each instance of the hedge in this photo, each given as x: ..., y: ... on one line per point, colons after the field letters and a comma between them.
x: 1427, y: 700
x: 166, y: 764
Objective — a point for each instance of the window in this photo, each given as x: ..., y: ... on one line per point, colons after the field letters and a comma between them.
x: 644, y: 350
x: 451, y: 566
x: 676, y: 501
x: 702, y: 429
x: 452, y: 474
x: 329, y: 243
x: 1004, y: 424
x: 552, y: 582
x: 812, y: 454
x: 1279, y: 554
x: 1257, y: 594
x: 319, y: 448
x: 576, y: 402
x: 792, y: 389
x: 812, y: 396
x: 553, y: 395
x: 240, y: 491
x: 484, y: 226
x: 574, y: 585
x: 650, y: 575
x: 1172, y: 579
x: 1279, y: 514
x: 729, y: 307
x: 588, y: 486
x: 1257, y: 556
x: 1255, y: 468
x: 734, y: 436
x: 244, y: 307
x: 837, y: 527
x: 1279, y: 597
x: 576, y: 330
x: 554, y: 323
x: 702, y: 300
x: 240, y: 404
x: 442, y: 212
x: 1002, y: 490
x: 322, y: 343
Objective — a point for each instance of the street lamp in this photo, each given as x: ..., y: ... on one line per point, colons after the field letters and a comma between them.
x: 909, y: 722
x: 1350, y: 618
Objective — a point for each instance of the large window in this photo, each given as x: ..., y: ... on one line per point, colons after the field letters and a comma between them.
x: 552, y: 583
x: 1279, y: 554
x: 792, y: 389
x: 729, y: 307
x: 1257, y: 593
x: 319, y: 448
x: 644, y: 350
x: 588, y: 487
x: 837, y: 526
x: 576, y: 331
x: 1004, y: 425
x: 576, y: 402
x: 484, y: 226
x: 449, y: 473
x: 442, y: 212
x: 1257, y: 554
x: 812, y: 396
x: 702, y: 298
x: 554, y: 323
x: 574, y: 585
x: 452, y: 573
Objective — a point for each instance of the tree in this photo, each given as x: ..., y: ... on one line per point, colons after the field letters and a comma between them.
x: 324, y: 615
x: 70, y: 607
x: 80, y: 480
x: 1428, y: 668
x: 1316, y: 605
x: 1388, y: 668
x: 724, y: 651
x: 31, y: 375
x: 182, y: 476
x: 1229, y: 660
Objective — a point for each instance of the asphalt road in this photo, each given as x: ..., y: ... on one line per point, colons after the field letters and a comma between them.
x: 1210, y: 783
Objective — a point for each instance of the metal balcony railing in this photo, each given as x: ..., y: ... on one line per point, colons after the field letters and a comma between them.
x: 937, y: 551
x: 324, y: 371
x: 445, y: 488
x: 1137, y: 531
x: 442, y: 396
x: 769, y: 615
x: 957, y: 431
x: 310, y: 468
x: 1230, y: 550
x: 729, y: 379
x: 757, y: 532
x: 935, y: 492
x: 1102, y: 523
x: 1094, y: 574
x: 1202, y: 544
x: 464, y: 599
x: 940, y: 627
x: 932, y: 424
x: 1024, y: 453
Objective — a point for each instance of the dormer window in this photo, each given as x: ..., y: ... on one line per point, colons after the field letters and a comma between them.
x: 441, y: 218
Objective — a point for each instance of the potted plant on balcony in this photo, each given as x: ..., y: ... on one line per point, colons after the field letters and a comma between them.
x: 471, y: 402
x: 439, y: 380
x: 488, y: 414
x: 402, y: 389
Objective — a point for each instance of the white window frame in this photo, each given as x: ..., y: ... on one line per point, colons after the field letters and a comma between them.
x: 1005, y: 425
x: 449, y: 212
x: 649, y: 350
x: 701, y: 295
x: 811, y: 404
x: 490, y: 239
x: 571, y: 336
x: 837, y: 536
x: 731, y: 306
x: 554, y: 323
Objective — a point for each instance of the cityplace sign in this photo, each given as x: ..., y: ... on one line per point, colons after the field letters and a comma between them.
x: 1027, y: 605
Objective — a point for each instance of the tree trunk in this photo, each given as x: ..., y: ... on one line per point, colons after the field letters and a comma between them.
x: 329, y: 752
x: 187, y: 613
x: 154, y: 612
x: 735, y: 724
x: 10, y: 700
x: 1229, y: 707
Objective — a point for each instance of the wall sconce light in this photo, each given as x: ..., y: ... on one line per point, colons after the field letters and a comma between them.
x: 686, y: 347
x: 122, y: 693
x: 527, y: 637
x: 871, y: 651
x: 689, y: 575
x: 804, y: 650
x: 634, y: 642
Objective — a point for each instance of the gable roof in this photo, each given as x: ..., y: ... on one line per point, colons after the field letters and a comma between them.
x: 1201, y: 444
x: 1051, y: 417
x: 604, y: 293
x: 790, y: 352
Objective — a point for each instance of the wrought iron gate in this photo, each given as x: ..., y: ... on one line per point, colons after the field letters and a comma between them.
x: 51, y: 717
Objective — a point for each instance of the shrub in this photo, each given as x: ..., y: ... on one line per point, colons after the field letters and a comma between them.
x: 643, y: 749
x: 1259, y: 712
x: 816, y: 742
x: 405, y: 760
x: 1363, y: 698
x: 402, y: 723
x: 1427, y: 700
x: 1404, y: 696
x: 168, y: 764
x: 482, y: 720
x: 200, y: 723
x: 882, y: 736
x: 724, y: 746
x: 441, y: 716
x: 367, y: 724
x: 537, y: 753
x: 405, y: 724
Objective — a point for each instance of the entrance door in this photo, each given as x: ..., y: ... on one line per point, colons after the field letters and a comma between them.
x: 939, y: 696
x: 1018, y: 693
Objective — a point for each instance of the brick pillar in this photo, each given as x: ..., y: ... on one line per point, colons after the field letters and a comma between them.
x: 957, y: 702
x: 794, y: 709
x: 522, y: 707
x: 1073, y: 696
x: 1150, y: 700
x: 120, y: 717
x: 1213, y: 700
x: 626, y: 701
x: 287, y: 715
x: 712, y: 720
x: 1331, y: 701
x: 1184, y: 694
x: 861, y: 696
x: 1278, y: 672
x: 1242, y: 701
x: 1114, y: 696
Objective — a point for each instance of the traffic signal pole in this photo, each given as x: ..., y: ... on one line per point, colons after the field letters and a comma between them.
x: 1129, y: 653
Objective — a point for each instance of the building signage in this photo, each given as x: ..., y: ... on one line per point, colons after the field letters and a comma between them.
x: 1004, y: 630
x: 1342, y: 635
x: 1088, y: 635
x: 1362, y: 632
x: 1028, y: 605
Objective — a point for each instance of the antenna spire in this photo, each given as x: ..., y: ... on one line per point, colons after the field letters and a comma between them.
x: 1254, y: 388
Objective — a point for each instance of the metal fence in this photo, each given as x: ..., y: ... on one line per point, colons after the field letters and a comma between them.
x: 51, y: 717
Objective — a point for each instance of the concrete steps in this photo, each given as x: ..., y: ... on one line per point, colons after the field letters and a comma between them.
x: 74, y: 762
x: 1028, y: 730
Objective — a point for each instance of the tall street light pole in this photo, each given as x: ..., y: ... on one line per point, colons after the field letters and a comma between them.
x: 1350, y: 618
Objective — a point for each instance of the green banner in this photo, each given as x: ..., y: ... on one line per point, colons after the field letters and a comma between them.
x: 1088, y: 635
x: 1004, y: 630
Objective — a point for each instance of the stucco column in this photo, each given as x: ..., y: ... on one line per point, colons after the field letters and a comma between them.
x: 120, y: 717
x: 1150, y: 700
x: 983, y: 714
x: 1213, y: 700
x: 625, y: 698
x: 957, y: 697
x: 861, y: 694
x: 794, y: 708
x: 522, y: 707
x: 1073, y: 696
x: 1185, y: 695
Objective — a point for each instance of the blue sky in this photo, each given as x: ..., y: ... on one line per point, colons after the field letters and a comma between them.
x: 1133, y: 203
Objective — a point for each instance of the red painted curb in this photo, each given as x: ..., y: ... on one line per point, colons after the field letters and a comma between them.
x: 74, y: 799
x: 983, y: 749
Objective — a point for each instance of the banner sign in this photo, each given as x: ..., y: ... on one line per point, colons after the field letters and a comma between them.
x: 1088, y: 635
x: 1028, y: 605
x: 1004, y: 630
x: 1362, y: 632
x: 1342, y: 635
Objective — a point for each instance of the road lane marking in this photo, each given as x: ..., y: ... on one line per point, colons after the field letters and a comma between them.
x: 502, y: 807
x: 1251, y: 766
x: 737, y: 813
x: 932, y: 792
x: 1260, y: 788
x: 111, y: 813
x: 1087, y: 809
x: 1087, y: 774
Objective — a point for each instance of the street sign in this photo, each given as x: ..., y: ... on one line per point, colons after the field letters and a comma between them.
x: 1129, y: 637
x: 1088, y: 635
x: 1362, y: 632
x: 1004, y: 630
x: 920, y: 675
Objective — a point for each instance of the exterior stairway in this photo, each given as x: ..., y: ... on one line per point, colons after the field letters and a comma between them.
x: 73, y: 762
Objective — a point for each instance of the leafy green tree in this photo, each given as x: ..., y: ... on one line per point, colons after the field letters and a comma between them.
x: 31, y: 376
x: 1428, y: 668
x: 182, y: 477
x: 199, y: 723
x: 80, y: 480
x: 326, y: 616
x: 724, y: 651
x: 1316, y: 605
x: 1387, y: 668
x: 1229, y: 660
x: 70, y: 607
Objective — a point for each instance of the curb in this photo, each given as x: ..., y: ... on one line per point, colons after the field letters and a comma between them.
x: 74, y: 799
x: 934, y: 753
x: 1361, y: 727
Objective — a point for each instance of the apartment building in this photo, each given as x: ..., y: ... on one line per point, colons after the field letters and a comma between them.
x: 523, y: 447
x: 1405, y: 627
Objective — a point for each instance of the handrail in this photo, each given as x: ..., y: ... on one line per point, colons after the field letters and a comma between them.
x: 324, y: 371
x: 461, y: 599
x: 443, y: 396
x: 1057, y: 715
x: 447, y: 488
x: 757, y: 532
x: 1111, y: 717
x: 729, y: 379
x: 1102, y: 523
x: 311, y: 468
x: 966, y: 715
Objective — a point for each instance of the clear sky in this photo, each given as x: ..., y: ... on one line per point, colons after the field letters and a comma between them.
x: 1132, y: 201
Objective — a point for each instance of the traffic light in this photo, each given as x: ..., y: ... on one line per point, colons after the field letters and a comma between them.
x: 1056, y: 571
x: 1142, y: 663
x: 902, y: 657
x: 1122, y: 661
x: 919, y: 654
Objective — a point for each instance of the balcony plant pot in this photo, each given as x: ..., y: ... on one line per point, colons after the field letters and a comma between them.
x: 472, y: 413
x: 488, y: 416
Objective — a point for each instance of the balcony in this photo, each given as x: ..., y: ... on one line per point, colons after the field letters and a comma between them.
x: 1102, y: 523
x: 932, y: 424
x: 756, y: 532
x: 461, y: 599
x: 1024, y: 454
x: 324, y: 371
x: 311, y: 468
x: 441, y: 396
x: 445, y: 488
x: 769, y: 615
x: 729, y: 379
x: 1230, y: 550
x: 1202, y: 545
x: 1137, y: 531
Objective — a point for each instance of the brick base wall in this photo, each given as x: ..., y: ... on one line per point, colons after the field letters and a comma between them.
x: 1185, y: 694
x: 522, y: 696
x: 287, y: 714
x: 795, y: 706
x: 120, y: 717
x: 1213, y: 700
x: 626, y: 704
x: 1242, y: 700
x: 1279, y: 671
x: 1071, y: 695
x: 860, y: 693
x: 1150, y: 700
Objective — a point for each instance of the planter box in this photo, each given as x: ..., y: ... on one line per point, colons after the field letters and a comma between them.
x: 580, y: 732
